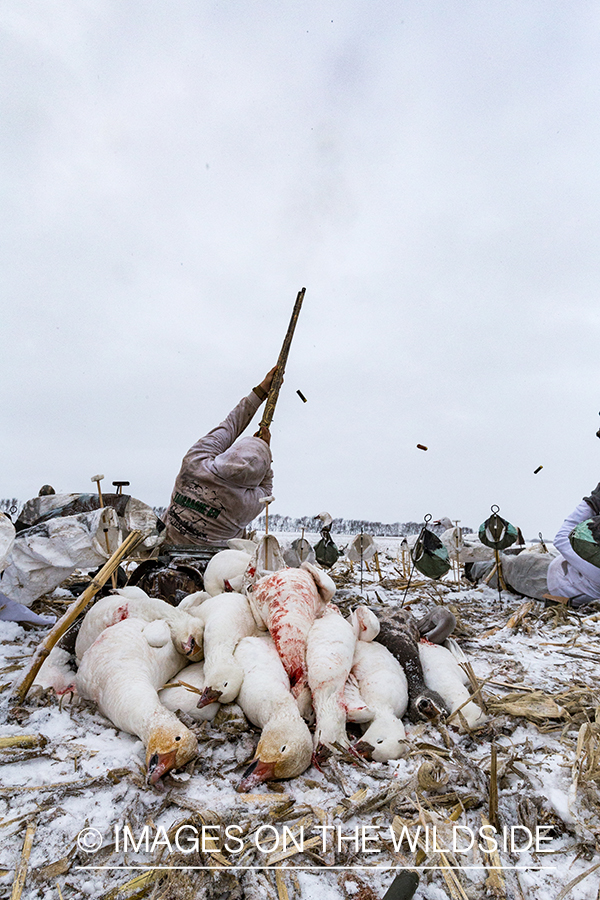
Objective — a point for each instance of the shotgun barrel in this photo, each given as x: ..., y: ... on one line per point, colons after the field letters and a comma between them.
x: 283, y: 355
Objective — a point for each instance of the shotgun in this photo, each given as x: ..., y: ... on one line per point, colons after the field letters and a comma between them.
x: 279, y: 372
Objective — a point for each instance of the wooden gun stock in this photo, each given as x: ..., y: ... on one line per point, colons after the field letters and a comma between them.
x: 281, y: 362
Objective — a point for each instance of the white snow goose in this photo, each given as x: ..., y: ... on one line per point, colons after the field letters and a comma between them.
x: 329, y: 656
x: 383, y: 687
x: 285, y: 746
x: 183, y: 692
x: 443, y: 674
x: 225, y: 571
x: 287, y: 604
x: 121, y: 672
x: 227, y: 619
x: 132, y: 602
x: 366, y: 628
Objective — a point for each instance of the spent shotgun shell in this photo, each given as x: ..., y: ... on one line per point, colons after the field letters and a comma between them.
x: 301, y: 395
x: 421, y: 447
x: 539, y: 469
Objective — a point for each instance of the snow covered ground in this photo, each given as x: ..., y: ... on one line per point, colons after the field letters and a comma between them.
x: 540, y: 680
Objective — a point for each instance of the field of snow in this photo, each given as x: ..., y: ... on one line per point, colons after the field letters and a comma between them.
x: 76, y: 790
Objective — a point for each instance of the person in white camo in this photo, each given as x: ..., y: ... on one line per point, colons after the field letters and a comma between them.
x: 543, y: 575
x: 569, y: 575
x: 222, y: 480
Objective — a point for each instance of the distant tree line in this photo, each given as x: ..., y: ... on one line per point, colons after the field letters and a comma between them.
x: 344, y: 526
x: 278, y: 522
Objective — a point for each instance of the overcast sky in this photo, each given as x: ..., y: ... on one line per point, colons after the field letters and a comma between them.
x: 173, y: 173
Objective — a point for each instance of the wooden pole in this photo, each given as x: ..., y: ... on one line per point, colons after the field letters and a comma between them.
x: 376, y: 556
x: 361, y: 561
x: 279, y: 372
x: 459, y: 542
x: 501, y: 582
x: 113, y: 576
x: 97, y: 479
x: 59, y: 628
x: 266, y: 535
x: 405, y: 558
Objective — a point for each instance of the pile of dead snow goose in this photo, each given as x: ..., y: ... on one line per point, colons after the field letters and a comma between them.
x: 275, y: 643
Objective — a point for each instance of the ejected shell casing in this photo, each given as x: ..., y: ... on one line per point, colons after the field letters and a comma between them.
x: 421, y: 447
x: 301, y: 395
x: 539, y: 469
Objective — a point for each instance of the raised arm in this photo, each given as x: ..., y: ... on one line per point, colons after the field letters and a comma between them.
x: 223, y: 436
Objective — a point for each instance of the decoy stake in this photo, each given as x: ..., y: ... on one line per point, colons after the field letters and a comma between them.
x: 98, y: 479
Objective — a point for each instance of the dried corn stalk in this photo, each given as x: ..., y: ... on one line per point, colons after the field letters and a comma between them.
x: 21, y: 870
x: 536, y: 706
x: 522, y: 612
x: 586, y: 766
x: 495, y: 881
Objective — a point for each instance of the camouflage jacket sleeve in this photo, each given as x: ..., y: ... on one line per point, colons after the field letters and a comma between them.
x: 563, y: 545
x: 223, y: 436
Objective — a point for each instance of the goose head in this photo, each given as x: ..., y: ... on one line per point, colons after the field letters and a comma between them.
x: 383, y: 740
x: 428, y: 705
x: 191, y: 647
x: 444, y: 522
x: 224, y: 685
x: 170, y: 746
x: 326, y: 520
x: 437, y: 625
x: 187, y: 633
x: 284, y: 751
